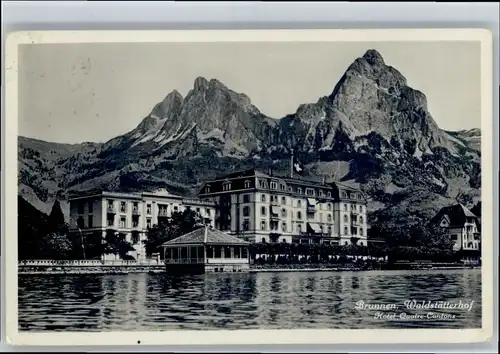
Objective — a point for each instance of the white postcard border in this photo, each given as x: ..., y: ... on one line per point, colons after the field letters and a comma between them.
x: 223, y: 337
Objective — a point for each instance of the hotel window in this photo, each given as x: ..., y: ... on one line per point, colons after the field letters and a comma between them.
x: 299, y: 215
x: 135, y: 237
x: 198, y: 210
x: 263, y: 210
x: 284, y: 240
x: 299, y: 228
x: 91, y: 221
x: 346, y: 231
x: 320, y: 193
x: 111, y: 220
x: 207, y: 189
x: 274, y: 185
x: 274, y: 225
x: 207, y: 211
x: 246, y: 211
x: 135, y: 206
x: 274, y: 198
x: 329, y: 230
x: 110, y: 204
x: 345, y: 207
x: 329, y: 206
x: 148, y: 209
x: 283, y: 200
x: 345, y: 218
x: 80, y: 222
x: 91, y: 207
x: 283, y: 226
x: 360, y: 208
x: 226, y: 186
x: 329, y: 194
x: 329, y: 217
x: 309, y: 191
x: 263, y: 198
x: 283, y: 212
x: 299, y: 204
x: 361, y: 232
x: 353, y: 207
x: 360, y: 219
x: 148, y: 223
x: 246, y: 225
x: 299, y: 190
x: 123, y: 222
x: 135, y: 222
x: 246, y: 198
x: 263, y: 225
x: 247, y: 184
x: 80, y: 207
x: 176, y: 208
x: 290, y: 189
x: 123, y: 207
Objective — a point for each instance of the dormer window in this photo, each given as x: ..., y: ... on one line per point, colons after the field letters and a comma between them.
x: 329, y: 194
x: 310, y: 191
x: 360, y: 196
x: 274, y: 185
x: 353, y: 196
x: 226, y: 186
x: 299, y: 190
x: 282, y: 187
x: 247, y: 184
x: 344, y: 195
x: 207, y: 188
x: 290, y: 189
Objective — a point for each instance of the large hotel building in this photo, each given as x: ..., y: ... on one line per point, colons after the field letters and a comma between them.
x: 250, y: 205
x: 259, y: 207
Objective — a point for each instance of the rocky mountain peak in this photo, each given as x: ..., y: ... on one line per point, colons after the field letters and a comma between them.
x: 200, y: 83
x: 171, y: 103
x: 373, y: 57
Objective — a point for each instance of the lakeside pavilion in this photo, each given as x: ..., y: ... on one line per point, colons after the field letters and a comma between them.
x: 206, y: 250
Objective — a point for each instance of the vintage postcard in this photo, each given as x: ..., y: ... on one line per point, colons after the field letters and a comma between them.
x: 249, y: 187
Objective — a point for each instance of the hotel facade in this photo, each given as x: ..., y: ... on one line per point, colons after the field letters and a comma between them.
x: 100, y: 215
x: 259, y: 207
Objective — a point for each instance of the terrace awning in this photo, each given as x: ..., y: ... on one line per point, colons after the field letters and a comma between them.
x: 314, y: 227
x: 311, y: 201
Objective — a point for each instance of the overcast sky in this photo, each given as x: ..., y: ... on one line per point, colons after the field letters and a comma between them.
x: 93, y: 92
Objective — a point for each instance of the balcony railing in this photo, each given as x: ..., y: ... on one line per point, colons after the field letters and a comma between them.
x: 163, y: 213
x: 185, y: 261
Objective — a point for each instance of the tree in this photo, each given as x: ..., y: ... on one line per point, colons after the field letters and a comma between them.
x: 116, y: 245
x: 476, y: 209
x: 56, y: 220
x: 180, y: 223
x: 56, y: 246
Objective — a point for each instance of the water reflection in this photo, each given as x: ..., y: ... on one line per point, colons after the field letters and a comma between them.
x: 240, y: 301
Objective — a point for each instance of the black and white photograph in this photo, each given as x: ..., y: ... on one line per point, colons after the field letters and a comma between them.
x: 216, y: 185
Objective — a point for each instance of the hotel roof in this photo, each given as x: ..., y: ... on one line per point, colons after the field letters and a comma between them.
x: 456, y: 214
x: 198, y: 237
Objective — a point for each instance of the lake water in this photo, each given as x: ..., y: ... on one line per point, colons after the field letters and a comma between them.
x: 286, y: 300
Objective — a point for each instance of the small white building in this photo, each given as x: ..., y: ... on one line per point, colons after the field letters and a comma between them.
x: 206, y: 250
x: 463, y: 227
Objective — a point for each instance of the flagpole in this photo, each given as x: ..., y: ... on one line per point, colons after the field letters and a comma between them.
x: 291, y: 165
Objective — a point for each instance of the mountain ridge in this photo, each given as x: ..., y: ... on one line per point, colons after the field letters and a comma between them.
x: 372, y: 126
